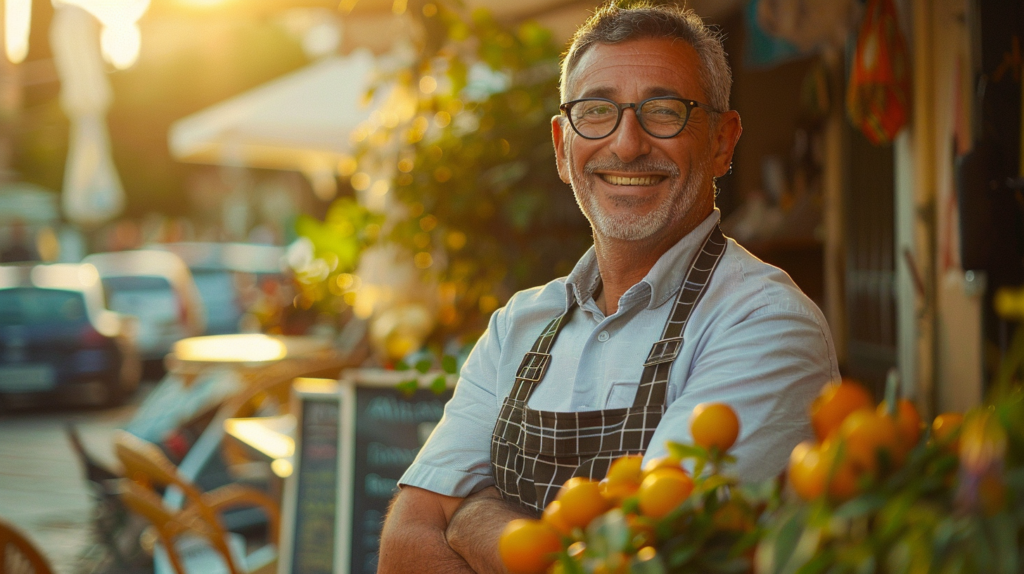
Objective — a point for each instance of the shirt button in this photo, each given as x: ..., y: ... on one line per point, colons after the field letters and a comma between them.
x: 603, y: 336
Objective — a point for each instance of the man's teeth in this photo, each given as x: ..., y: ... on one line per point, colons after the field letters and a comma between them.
x: 621, y: 180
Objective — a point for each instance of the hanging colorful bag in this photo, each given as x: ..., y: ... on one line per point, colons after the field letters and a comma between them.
x: 878, y: 95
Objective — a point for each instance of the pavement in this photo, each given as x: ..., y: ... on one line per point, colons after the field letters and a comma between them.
x: 43, y: 491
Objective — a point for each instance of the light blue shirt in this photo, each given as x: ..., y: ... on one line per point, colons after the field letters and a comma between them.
x: 755, y: 342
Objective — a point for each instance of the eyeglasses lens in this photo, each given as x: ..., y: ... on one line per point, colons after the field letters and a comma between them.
x: 659, y: 117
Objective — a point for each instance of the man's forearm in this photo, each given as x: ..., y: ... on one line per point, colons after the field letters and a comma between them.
x: 476, y: 526
x: 413, y: 538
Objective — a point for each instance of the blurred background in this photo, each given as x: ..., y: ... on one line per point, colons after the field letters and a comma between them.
x: 379, y: 174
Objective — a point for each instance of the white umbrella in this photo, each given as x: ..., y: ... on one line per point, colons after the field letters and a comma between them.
x: 300, y: 121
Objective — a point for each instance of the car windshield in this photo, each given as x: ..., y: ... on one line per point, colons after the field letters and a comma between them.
x: 214, y: 284
x: 31, y: 306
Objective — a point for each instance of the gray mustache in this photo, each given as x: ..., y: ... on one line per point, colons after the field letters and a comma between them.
x: 638, y: 166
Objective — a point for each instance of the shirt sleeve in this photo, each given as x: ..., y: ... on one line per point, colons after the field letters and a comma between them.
x: 456, y: 458
x: 768, y: 368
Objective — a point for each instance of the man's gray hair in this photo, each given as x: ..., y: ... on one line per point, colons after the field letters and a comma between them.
x: 614, y: 23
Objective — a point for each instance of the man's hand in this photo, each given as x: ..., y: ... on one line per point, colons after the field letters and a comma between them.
x: 413, y: 539
x: 476, y: 526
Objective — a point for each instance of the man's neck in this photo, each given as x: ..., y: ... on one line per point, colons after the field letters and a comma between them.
x: 623, y: 263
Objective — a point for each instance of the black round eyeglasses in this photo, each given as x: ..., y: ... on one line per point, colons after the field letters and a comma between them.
x: 662, y: 116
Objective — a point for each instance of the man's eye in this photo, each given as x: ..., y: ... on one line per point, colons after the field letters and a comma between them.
x: 663, y: 111
x: 598, y: 110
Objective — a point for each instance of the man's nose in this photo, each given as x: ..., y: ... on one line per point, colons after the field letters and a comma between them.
x: 629, y: 140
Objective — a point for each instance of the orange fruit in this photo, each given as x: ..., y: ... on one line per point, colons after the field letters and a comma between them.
x: 581, y: 501
x: 868, y: 435
x: 624, y: 477
x: 553, y: 517
x: 946, y: 429
x: 714, y: 425
x: 842, y: 475
x: 663, y: 490
x: 528, y: 546
x: 807, y: 471
x: 908, y: 422
x: 667, y: 461
x: 830, y: 408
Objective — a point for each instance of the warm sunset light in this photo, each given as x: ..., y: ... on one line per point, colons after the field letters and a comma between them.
x: 202, y: 3
x: 247, y: 348
x: 17, y: 20
x: 120, y: 44
x: 120, y: 40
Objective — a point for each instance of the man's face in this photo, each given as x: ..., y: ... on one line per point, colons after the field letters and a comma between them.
x: 631, y: 185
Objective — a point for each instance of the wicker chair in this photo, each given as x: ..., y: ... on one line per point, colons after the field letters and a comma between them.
x: 190, y: 534
x: 18, y: 555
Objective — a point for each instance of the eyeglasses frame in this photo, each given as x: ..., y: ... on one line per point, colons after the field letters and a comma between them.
x: 690, y: 104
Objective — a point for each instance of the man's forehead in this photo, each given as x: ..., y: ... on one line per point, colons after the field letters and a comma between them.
x: 603, y: 68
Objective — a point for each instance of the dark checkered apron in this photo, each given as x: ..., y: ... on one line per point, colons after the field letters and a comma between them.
x: 534, y: 452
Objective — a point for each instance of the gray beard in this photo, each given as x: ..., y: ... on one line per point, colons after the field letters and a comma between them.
x: 633, y: 227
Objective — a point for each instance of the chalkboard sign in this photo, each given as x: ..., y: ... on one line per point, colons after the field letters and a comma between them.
x: 391, y: 426
x: 380, y: 432
x: 313, y: 538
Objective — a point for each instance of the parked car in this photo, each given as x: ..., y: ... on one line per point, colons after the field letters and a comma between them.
x: 223, y: 272
x: 158, y: 288
x: 57, y: 338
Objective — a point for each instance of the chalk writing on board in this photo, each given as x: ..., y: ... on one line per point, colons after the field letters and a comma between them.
x: 317, y: 489
x: 395, y: 409
x: 390, y: 429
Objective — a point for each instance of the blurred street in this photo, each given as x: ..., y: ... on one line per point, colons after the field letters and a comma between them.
x: 42, y: 483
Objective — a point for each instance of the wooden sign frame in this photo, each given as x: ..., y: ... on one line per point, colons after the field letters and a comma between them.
x: 343, y: 393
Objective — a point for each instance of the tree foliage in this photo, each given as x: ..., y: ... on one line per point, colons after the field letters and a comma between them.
x: 480, y: 207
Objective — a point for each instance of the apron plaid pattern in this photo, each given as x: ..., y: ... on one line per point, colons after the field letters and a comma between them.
x: 534, y: 452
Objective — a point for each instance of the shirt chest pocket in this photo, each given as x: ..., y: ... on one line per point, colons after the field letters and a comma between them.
x: 621, y: 394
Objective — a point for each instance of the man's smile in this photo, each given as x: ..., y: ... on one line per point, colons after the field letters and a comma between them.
x: 632, y: 180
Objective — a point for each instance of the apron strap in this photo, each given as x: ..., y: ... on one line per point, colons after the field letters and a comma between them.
x: 654, y: 381
x: 535, y: 362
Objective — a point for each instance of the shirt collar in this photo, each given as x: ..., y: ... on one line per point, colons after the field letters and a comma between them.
x: 664, y: 278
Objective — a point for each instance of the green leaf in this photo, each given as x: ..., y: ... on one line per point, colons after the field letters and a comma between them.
x: 685, y: 451
x: 716, y: 481
x: 609, y: 533
x: 569, y: 564
x: 861, y: 506
x: 449, y: 365
x: 786, y: 540
x: 407, y: 387
x: 439, y: 384
x: 401, y: 365
x: 652, y: 565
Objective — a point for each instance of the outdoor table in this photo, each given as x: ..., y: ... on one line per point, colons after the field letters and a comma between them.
x: 247, y: 352
x: 272, y: 437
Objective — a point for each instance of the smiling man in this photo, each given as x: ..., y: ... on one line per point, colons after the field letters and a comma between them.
x: 662, y: 314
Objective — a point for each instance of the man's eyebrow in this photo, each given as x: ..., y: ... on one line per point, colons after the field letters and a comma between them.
x: 599, y: 92
x: 607, y: 92
x: 659, y: 91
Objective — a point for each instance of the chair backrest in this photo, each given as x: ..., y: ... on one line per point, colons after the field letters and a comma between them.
x: 145, y: 466
x: 169, y: 525
x: 18, y: 555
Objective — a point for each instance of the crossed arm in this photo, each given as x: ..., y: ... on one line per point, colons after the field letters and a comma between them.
x: 430, y: 532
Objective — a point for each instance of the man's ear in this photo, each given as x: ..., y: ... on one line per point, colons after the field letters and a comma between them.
x: 558, y: 139
x: 724, y: 141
